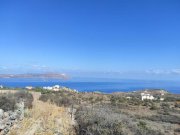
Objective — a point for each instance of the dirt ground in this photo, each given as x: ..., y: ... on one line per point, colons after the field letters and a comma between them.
x: 44, y: 119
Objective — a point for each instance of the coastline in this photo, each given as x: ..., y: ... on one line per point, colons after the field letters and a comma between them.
x: 104, y: 87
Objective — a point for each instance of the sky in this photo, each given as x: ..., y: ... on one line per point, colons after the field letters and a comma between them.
x: 91, y: 38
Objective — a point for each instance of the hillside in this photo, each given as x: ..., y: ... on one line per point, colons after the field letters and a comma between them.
x: 72, y: 113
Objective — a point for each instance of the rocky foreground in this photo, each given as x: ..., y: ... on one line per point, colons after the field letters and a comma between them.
x: 45, y: 119
x: 11, y: 118
x: 42, y: 119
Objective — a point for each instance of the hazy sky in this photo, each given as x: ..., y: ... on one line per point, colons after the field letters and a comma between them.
x: 91, y: 38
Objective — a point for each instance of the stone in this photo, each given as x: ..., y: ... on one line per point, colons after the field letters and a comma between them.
x: 57, y: 132
x: 2, y: 126
x: 6, y: 114
x: 12, y: 117
x: 8, y: 124
x: 6, y: 130
x: 1, y: 113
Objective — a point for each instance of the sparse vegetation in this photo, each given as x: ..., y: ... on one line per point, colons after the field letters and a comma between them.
x: 166, y: 118
x: 44, y: 119
x: 8, y: 101
x: 59, y: 98
x: 98, y: 113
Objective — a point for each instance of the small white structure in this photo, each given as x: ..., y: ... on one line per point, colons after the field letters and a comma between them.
x: 29, y: 87
x: 56, y: 88
x: 53, y: 88
x: 145, y: 96
x: 1, y: 87
x: 48, y: 88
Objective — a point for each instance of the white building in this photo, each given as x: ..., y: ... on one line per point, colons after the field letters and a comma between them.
x: 48, y: 88
x: 56, y: 88
x: 145, y: 96
x: 29, y: 87
x: 53, y: 88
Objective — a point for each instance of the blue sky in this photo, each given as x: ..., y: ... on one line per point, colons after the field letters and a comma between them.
x: 91, y: 38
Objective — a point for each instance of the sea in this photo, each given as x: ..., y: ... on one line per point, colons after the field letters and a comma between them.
x: 105, y: 87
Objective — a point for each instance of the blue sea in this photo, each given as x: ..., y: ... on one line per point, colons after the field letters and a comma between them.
x: 106, y: 87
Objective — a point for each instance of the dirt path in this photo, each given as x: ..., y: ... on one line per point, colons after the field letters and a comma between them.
x: 45, y: 119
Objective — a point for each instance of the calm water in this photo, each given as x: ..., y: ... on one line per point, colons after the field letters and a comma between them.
x: 107, y: 87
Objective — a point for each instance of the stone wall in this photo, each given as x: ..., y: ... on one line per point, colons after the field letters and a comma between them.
x: 10, y: 118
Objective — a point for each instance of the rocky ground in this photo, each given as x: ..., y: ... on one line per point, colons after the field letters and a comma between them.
x: 42, y: 119
x: 11, y: 118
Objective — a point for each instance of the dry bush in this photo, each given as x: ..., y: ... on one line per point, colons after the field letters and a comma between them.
x: 99, y: 121
x: 104, y: 120
x: 26, y: 96
x: 8, y: 101
x: 59, y: 98
x: 165, y: 118
x: 99, y: 114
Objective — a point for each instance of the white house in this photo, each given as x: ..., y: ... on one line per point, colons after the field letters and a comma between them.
x: 145, y: 96
x: 29, y: 87
x: 48, y: 88
x: 53, y: 88
x: 56, y: 88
